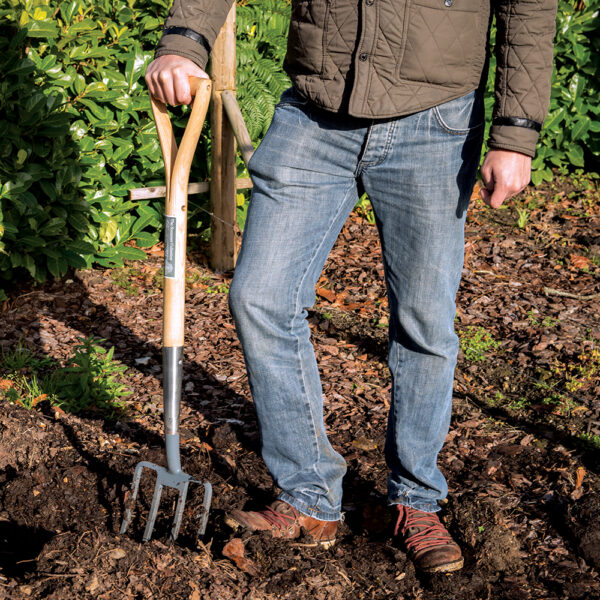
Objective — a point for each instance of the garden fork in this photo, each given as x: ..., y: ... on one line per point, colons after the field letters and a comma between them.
x: 177, y: 170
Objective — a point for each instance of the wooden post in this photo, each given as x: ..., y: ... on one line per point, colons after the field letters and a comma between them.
x: 225, y: 234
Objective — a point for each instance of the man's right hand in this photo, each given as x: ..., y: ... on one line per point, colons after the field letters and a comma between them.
x: 167, y: 78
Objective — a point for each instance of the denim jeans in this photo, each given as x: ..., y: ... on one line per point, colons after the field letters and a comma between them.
x: 418, y: 171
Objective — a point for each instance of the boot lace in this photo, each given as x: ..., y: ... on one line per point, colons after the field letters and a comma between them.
x: 427, y: 530
x: 279, y: 520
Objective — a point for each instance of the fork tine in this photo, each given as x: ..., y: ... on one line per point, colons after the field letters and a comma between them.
x: 135, y: 485
x: 153, y: 510
x: 205, y: 509
x: 179, y: 510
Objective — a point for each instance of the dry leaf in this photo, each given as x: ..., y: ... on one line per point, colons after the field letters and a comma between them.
x: 363, y: 443
x: 6, y: 384
x: 578, y: 491
x: 581, y: 262
x: 117, y: 554
x: 234, y: 550
x: 327, y: 294
x: 92, y: 584
x: 39, y: 399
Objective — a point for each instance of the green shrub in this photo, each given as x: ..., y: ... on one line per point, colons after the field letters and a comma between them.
x: 571, y: 134
x: 73, y: 106
x: 90, y: 379
x: 78, y: 133
x: 570, y: 137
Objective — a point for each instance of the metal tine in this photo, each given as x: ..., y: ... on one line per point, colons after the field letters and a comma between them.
x: 183, y: 490
x: 153, y: 510
x: 135, y: 486
x: 205, y: 508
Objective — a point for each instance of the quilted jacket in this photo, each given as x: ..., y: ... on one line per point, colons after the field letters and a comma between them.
x: 387, y: 58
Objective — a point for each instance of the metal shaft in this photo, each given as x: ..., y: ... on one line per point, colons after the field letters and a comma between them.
x: 172, y: 378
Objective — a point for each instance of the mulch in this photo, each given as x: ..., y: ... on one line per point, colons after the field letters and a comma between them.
x: 524, y: 498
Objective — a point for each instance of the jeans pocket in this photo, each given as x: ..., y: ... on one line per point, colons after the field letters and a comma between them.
x: 292, y: 97
x: 462, y: 115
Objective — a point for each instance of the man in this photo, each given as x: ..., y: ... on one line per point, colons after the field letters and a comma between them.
x: 386, y: 98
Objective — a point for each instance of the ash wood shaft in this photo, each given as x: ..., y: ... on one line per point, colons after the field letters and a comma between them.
x: 238, y: 125
x: 224, y: 239
x: 177, y: 171
x: 160, y: 191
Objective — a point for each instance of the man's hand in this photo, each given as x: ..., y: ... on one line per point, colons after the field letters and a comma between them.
x: 505, y: 173
x: 167, y: 78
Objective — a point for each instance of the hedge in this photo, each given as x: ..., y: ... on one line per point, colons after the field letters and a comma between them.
x: 78, y: 133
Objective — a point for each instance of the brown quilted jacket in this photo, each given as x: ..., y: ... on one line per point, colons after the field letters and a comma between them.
x: 386, y: 58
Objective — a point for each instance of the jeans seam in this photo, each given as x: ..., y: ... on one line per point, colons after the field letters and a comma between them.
x: 360, y: 164
x: 304, y: 388
x: 386, y: 149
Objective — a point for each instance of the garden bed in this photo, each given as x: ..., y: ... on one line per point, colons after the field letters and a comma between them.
x: 521, y: 457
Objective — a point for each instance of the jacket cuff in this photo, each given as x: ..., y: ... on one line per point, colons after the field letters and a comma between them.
x: 182, y: 46
x: 510, y: 137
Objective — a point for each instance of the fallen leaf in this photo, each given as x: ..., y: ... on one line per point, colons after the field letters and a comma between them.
x: 92, y: 584
x: 6, y: 384
x: 581, y: 262
x: 578, y: 491
x: 117, y: 554
x: 234, y: 550
x: 363, y: 443
x: 39, y: 399
x: 327, y: 294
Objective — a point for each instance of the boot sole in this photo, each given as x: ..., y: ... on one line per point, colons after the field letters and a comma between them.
x: 235, y: 525
x: 447, y: 568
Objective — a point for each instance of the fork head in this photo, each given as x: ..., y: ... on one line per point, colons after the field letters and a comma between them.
x: 165, y: 478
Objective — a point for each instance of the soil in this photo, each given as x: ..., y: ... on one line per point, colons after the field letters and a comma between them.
x: 522, y: 468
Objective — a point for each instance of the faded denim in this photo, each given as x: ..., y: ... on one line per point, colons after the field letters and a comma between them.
x: 418, y: 171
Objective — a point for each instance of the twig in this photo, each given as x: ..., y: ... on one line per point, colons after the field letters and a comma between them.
x: 552, y: 292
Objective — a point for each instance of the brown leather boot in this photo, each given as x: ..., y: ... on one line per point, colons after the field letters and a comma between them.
x: 283, y: 521
x: 427, y: 541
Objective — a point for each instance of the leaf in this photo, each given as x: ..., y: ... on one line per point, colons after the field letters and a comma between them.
x: 57, y: 266
x: 130, y: 253
x: 581, y: 127
x: 575, y: 155
x: 234, y: 550
x: 108, y: 230
x: 145, y: 239
x: 134, y: 68
x: 42, y: 29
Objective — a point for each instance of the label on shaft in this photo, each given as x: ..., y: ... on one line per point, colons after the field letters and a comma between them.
x: 170, y: 245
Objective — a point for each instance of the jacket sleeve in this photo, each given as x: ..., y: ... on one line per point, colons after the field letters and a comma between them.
x: 202, y: 19
x: 524, y: 53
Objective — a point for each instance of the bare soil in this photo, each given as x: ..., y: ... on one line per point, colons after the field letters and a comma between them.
x: 524, y: 498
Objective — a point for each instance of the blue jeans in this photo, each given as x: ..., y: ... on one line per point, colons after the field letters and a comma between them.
x: 418, y: 172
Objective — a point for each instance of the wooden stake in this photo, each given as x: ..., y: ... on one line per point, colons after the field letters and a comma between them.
x: 224, y: 239
x: 238, y: 124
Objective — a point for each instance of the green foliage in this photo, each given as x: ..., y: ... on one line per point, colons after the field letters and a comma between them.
x: 261, y: 45
x: 78, y: 134
x: 476, y: 342
x: 90, y: 379
x: 570, y: 137
x: 572, y: 130
x: 73, y: 106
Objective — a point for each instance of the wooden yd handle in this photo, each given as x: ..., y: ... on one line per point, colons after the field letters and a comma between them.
x: 177, y: 173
